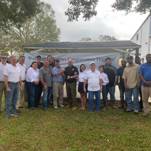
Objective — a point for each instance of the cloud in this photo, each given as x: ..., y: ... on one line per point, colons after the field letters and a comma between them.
x: 107, y: 21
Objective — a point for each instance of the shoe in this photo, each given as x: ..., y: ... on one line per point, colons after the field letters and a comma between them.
x: 145, y: 114
x: 61, y: 105
x: 136, y: 111
x: 18, y: 111
x: 128, y: 110
x: 55, y: 107
x: 74, y: 108
x: 13, y: 115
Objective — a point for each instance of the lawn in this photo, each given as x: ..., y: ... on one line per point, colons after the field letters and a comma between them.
x: 67, y: 130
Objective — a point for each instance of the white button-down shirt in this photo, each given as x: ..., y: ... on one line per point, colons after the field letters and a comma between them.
x: 32, y: 75
x: 104, y: 78
x: 93, y: 79
x: 13, y: 73
x: 2, y: 68
x: 22, y: 70
x: 82, y: 76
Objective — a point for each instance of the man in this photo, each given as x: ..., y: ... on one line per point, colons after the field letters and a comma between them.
x: 120, y: 82
x: 58, y: 81
x: 22, y: 92
x: 71, y: 75
x: 46, y: 80
x: 110, y: 70
x: 131, y: 82
x: 2, y: 84
x: 145, y: 74
x: 93, y: 78
x: 39, y: 65
x: 12, y: 78
x: 138, y: 61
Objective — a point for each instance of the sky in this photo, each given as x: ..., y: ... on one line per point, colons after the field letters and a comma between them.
x: 106, y: 22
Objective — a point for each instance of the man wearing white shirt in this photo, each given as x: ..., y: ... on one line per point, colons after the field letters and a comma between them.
x: 22, y: 67
x: 2, y: 84
x: 94, y: 81
x: 12, y: 78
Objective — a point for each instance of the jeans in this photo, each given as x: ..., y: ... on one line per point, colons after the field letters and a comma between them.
x: 132, y: 104
x: 91, y: 95
x: 11, y: 99
x: 111, y: 91
x: 32, y: 94
x: 47, y: 93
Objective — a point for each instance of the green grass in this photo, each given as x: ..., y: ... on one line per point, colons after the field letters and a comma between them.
x: 67, y: 130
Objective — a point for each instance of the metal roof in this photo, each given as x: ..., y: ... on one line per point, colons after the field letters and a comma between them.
x: 85, y: 45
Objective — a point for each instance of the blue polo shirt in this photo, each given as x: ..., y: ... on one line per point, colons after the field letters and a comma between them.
x: 145, y: 71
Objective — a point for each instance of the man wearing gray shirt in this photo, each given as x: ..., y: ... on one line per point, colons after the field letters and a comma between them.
x: 46, y: 80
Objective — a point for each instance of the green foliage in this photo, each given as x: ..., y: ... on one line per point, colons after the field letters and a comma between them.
x: 17, y: 11
x: 87, y: 8
x: 38, y: 29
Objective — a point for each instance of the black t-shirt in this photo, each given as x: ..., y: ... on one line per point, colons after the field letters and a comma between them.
x: 111, y: 72
x: 71, y: 71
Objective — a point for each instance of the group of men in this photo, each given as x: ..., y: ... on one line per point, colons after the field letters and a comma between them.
x: 43, y: 83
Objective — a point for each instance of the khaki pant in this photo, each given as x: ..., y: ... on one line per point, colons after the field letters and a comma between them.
x: 57, y: 94
x: 146, y: 93
x: 21, y: 98
x: 2, y: 91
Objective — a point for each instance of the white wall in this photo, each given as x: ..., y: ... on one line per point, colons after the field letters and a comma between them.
x: 142, y: 37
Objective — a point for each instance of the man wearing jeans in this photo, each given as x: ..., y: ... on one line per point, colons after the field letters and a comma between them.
x: 145, y: 74
x: 12, y: 78
x: 46, y: 80
x: 93, y: 78
x: 2, y: 84
x: 131, y: 82
x: 111, y: 71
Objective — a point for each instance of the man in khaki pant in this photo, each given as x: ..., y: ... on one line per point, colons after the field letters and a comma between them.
x: 2, y: 84
x: 22, y: 92
x: 145, y: 74
x: 58, y: 81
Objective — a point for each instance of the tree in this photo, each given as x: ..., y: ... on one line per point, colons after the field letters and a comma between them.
x: 17, y: 12
x: 86, y: 8
x: 38, y: 29
x: 106, y: 38
x: 101, y: 38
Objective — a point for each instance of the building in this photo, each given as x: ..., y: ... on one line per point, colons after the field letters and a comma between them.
x: 143, y: 37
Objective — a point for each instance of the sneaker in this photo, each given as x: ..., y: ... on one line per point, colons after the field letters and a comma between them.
x: 74, y: 108
x: 13, y: 115
x: 136, y: 111
x: 61, y: 105
x: 128, y: 110
x: 55, y: 107
x: 145, y: 114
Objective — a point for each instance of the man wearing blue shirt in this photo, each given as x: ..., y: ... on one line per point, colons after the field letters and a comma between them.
x: 58, y: 82
x: 145, y: 74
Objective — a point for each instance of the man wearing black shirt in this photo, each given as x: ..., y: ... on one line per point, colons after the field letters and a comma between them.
x: 110, y: 70
x: 71, y: 75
